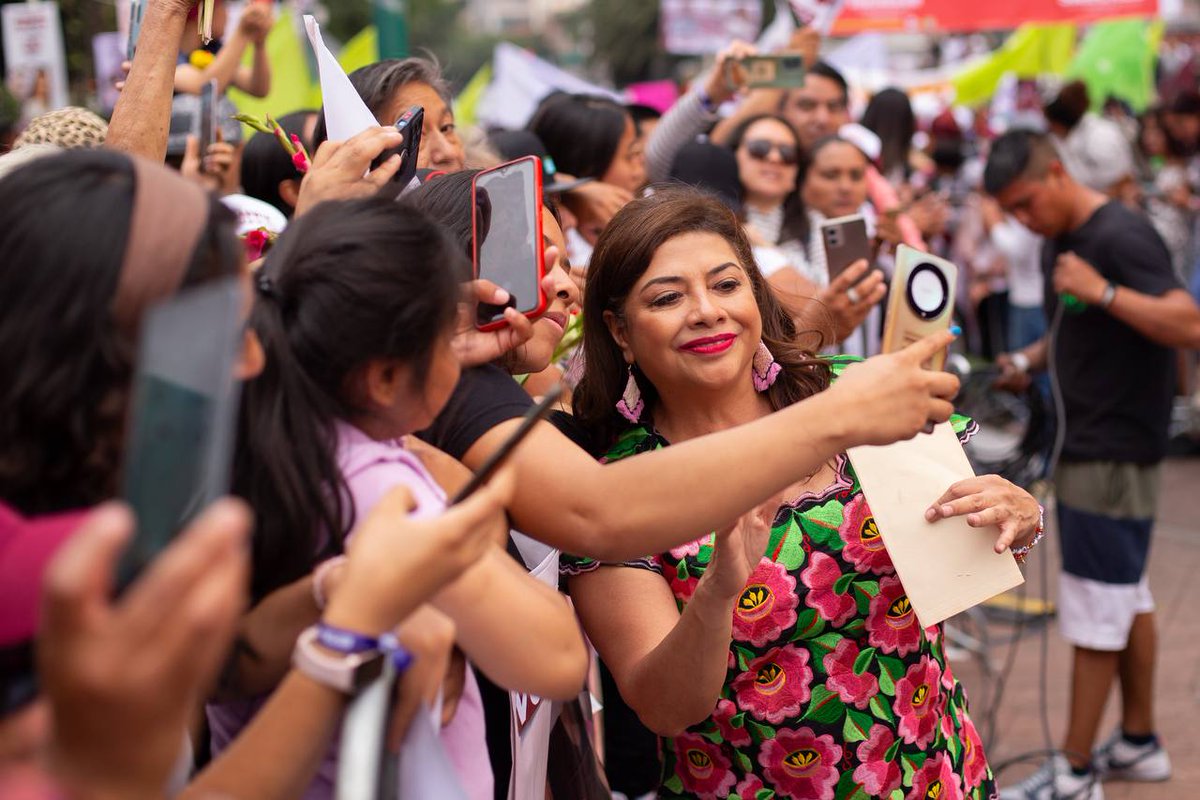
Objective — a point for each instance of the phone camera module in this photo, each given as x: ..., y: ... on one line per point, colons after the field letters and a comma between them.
x: 928, y: 291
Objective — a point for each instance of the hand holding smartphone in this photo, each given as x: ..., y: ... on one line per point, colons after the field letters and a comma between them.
x: 921, y: 301
x: 506, y: 237
x: 409, y: 125
x: 845, y: 241
x: 777, y: 71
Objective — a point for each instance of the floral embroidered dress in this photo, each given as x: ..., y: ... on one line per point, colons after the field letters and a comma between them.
x: 833, y: 690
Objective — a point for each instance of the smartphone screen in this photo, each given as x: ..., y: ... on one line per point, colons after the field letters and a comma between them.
x: 921, y: 301
x: 507, y: 236
x: 845, y: 241
x: 184, y: 404
x: 779, y: 71
x: 409, y: 125
x: 208, y: 116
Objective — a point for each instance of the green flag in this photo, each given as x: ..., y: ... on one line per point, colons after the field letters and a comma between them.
x: 361, y: 50
x: 468, y: 98
x: 1116, y: 59
x: 1032, y: 50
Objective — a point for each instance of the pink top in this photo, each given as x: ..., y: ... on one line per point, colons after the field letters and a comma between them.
x: 372, y: 468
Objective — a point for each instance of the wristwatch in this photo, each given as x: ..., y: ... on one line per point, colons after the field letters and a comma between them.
x: 1110, y: 294
x: 343, y: 672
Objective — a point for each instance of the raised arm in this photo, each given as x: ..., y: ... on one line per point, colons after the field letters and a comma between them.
x: 659, y: 500
x: 142, y: 116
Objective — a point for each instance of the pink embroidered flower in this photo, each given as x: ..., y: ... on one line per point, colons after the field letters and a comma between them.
x: 690, y: 549
x: 767, y: 606
x: 948, y: 678
x: 876, y: 775
x: 749, y: 788
x: 864, y: 546
x: 702, y: 767
x: 974, y: 763
x: 722, y: 716
x: 775, y: 685
x: 820, y: 576
x: 918, y: 702
x: 891, y: 622
x: 936, y: 779
x: 801, y: 764
x: 851, y: 688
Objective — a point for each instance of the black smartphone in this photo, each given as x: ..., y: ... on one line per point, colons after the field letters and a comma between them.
x: 410, y: 125
x: 497, y: 459
x: 183, y: 415
x: 208, y: 117
x: 506, y: 238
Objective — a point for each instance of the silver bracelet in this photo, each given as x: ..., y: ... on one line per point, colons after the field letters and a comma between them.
x: 1110, y: 294
x: 1019, y: 553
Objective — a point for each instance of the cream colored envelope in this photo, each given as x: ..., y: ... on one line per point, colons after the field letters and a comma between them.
x: 946, y: 566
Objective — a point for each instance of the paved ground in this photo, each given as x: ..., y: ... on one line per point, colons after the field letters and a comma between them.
x: 1175, y: 580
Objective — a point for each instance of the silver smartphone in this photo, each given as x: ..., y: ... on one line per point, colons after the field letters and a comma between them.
x: 183, y: 415
x: 921, y: 301
x: 845, y: 241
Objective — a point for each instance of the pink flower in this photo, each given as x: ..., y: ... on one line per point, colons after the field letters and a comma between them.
x: 690, y: 549
x: 851, y: 688
x: 801, y: 764
x: 975, y: 765
x: 722, y: 716
x: 864, y: 546
x: 820, y: 576
x: 891, y: 623
x: 935, y: 779
x: 254, y: 242
x: 767, y: 605
x: 702, y: 767
x: 775, y: 685
x: 749, y: 788
x: 918, y: 702
x: 876, y: 775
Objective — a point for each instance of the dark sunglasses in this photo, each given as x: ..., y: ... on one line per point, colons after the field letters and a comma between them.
x: 760, y: 149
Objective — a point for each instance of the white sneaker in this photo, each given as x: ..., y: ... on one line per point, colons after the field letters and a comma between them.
x: 1119, y: 760
x: 1055, y: 781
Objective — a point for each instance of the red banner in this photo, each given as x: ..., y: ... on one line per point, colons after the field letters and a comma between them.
x: 965, y: 15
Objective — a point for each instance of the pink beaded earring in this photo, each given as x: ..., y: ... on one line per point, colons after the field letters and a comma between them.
x: 631, y: 405
x: 765, y: 368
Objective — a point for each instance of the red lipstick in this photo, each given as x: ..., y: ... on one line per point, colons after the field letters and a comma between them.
x: 710, y: 345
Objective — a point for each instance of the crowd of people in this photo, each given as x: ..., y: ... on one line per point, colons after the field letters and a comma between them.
x: 684, y: 537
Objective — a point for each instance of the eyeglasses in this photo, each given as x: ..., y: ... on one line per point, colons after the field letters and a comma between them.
x: 760, y: 150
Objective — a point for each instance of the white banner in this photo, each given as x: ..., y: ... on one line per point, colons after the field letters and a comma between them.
x: 703, y: 27
x: 34, y: 55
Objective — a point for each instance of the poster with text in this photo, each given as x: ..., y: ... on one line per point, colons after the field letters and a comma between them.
x: 702, y: 27
x: 34, y: 55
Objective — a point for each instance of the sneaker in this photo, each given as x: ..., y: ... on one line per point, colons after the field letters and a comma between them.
x: 1119, y: 760
x: 1055, y: 781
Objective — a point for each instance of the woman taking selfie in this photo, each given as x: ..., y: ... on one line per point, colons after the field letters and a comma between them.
x: 755, y: 651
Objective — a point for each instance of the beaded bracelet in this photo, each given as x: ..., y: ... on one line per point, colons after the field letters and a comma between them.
x: 1039, y: 533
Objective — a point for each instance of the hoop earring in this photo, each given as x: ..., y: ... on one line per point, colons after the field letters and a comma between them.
x: 765, y: 369
x: 631, y: 405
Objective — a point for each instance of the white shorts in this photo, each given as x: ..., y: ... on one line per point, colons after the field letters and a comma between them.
x: 1098, y: 615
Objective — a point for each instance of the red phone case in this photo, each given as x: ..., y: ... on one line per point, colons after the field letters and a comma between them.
x: 542, y: 300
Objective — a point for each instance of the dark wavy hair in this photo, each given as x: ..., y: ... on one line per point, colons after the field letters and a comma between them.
x: 349, y: 282
x: 581, y: 132
x: 795, y: 217
x: 622, y: 255
x: 64, y: 222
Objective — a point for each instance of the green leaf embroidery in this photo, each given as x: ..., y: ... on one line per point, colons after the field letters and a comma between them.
x: 823, y: 645
x: 761, y: 732
x: 842, y: 584
x: 869, y: 588
x: 890, y: 755
x: 864, y: 660
x: 890, y: 671
x: 743, y: 761
x: 825, y: 706
x: 764, y: 794
x: 738, y: 720
x: 826, y: 536
x: 674, y: 784
x: 857, y: 727
x: 862, y: 602
x: 881, y: 709
x: 897, y: 794
x: 712, y: 736
x: 681, y: 570
x: 849, y: 789
x: 909, y: 769
x: 808, y: 625
x: 854, y: 626
x: 791, y: 549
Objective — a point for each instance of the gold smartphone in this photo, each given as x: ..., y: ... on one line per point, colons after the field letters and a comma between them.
x: 921, y: 301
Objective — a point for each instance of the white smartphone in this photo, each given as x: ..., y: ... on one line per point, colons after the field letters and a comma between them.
x: 921, y: 301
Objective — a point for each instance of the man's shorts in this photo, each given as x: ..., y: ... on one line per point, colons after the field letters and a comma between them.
x: 1105, y: 515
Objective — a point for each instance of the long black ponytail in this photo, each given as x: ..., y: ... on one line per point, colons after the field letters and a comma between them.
x: 348, y: 282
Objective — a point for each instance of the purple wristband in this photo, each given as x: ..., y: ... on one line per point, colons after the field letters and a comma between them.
x: 344, y: 641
